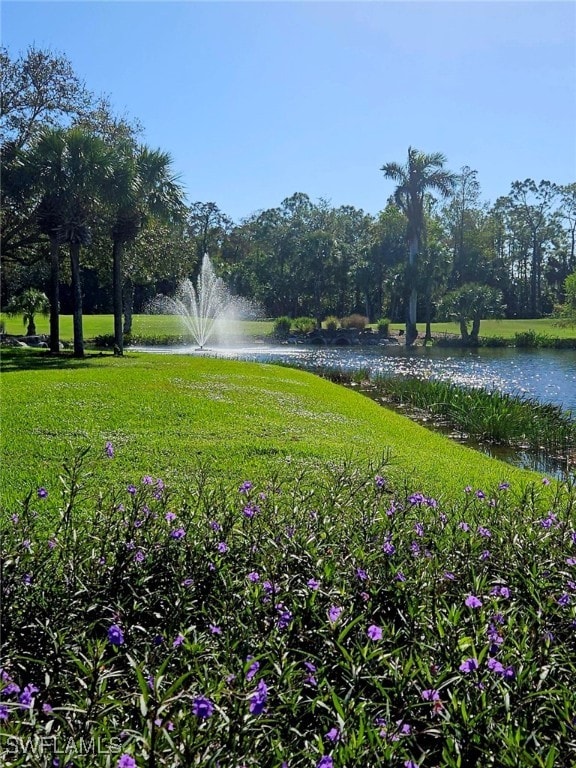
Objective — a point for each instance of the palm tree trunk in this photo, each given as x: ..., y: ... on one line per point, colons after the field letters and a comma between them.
x: 117, y: 296
x: 54, y: 296
x: 411, y: 330
x: 76, y: 300
x: 128, y: 302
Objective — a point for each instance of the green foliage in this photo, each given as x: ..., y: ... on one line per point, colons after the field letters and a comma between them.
x: 29, y: 303
x: 304, y: 324
x: 334, y: 613
x: 331, y: 323
x: 383, y: 326
x: 487, y: 415
x: 282, y: 327
x: 354, y: 321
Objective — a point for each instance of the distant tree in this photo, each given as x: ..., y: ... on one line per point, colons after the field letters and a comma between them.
x: 208, y: 228
x: 471, y: 303
x: 421, y: 173
x: 570, y: 292
x: 140, y: 185
x: 29, y: 304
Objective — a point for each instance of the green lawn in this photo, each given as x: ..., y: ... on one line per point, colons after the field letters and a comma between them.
x: 170, y: 325
x: 165, y: 415
x: 143, y: 325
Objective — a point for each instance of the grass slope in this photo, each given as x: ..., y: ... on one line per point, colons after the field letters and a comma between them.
x: 166, y: 415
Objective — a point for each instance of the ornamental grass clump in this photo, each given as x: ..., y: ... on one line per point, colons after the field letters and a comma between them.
x: 344, y: 621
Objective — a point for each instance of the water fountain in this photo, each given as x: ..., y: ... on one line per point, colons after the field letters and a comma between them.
x: 204, y: 308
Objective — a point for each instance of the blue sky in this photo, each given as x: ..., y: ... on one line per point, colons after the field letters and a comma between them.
x: 258, y: 100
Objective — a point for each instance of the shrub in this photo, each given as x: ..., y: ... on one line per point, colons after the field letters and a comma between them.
x: 527, y: 339
x: 287, y: 619
x: 282, y: 326
x: 331, y: 323
x: 304, y: 324
x: 355, y: 321
x: 383, y: 326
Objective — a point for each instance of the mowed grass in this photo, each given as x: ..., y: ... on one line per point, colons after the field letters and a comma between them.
x: 168, y: 415
x: 143, y: 325
x: 156, y: 326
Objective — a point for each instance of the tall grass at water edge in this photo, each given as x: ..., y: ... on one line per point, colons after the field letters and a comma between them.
x: 335, y: 619
x: 487, y: 415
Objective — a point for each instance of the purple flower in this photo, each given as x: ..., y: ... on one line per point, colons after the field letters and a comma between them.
x: 253, y: 576
x: 245, y: 487
x: 374, y: 632
x: 131, y: 489
x: 388, y: 548
x: 252, y: 670
x: 215, y: 526
x: 126, y: 761
x: 325, y: 762
x: 361, y: 574
x: 4, y: 712
x: 109, y: 450
x: 449, y: 575
x: 250, y: 510
x: 419, y: 528
x: 222, y: 547
x: 495, y: 666
x: 313, y: 584
x: 485, y: 555
x: 430, y: 694
x: 545, y: 481
x: 333, y: 735
x: 170, y: 516
x: 147, y: 480
x: 503, y: 486
x: 334, y: 613
x: 178, y: 640
x: 473, y: 602
x: 410, y: 764
x: 42, y: 492
x: 115, y: 635
x: 202, y: 707
x: 47, y: 708
x: 480, y: 494
x: 484, y: 532
x: 27, y: 695
x: 285, y: 617
x: 177, y: 533
x: 464, y: 526
x: 311, y: 668
x: 468, y: 666
x: 215, y: 629
x: 259, y: 698
x: 380, y: 481
x: 400, y: 576
x: 564, y: 599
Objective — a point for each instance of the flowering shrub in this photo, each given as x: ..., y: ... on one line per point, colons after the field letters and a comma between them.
x: 343, y: 623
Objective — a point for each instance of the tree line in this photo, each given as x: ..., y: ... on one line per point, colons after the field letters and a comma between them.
x: 99, y: 222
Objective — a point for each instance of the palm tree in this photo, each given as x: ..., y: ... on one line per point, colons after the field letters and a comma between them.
x: 68, y: 169
x: 142, y: 186
x: 421, y: 173
x: 29, y: 303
